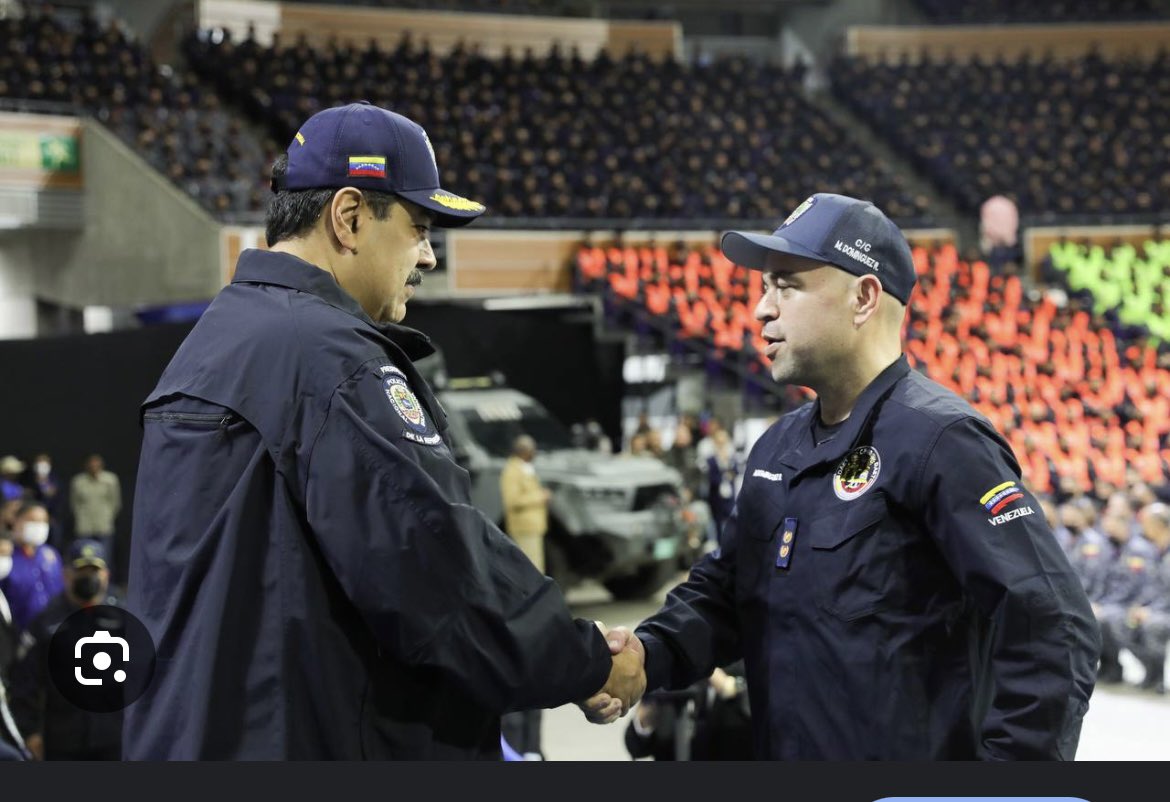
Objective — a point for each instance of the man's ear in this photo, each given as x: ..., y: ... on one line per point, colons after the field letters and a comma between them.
x: 867, y: 298
x: 343, y: 219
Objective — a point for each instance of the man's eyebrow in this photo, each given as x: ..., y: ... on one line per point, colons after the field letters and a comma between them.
x: 786, y: 276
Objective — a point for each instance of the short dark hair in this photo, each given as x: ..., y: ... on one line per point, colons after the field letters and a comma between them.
x: 28, y: 506
x: 291, y: 213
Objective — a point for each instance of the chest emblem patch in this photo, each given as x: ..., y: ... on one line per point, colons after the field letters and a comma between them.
x: 857, y: 473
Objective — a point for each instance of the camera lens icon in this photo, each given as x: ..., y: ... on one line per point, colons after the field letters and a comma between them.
x: 101, y: 658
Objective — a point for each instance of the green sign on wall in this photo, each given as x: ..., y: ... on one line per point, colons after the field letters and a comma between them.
x: 55, y: 153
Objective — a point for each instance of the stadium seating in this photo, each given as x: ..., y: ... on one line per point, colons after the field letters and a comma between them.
x: 559, y: 137
x: 1079, y: 406
x: 557, y: 8
x: 1085, y: 137
x: 55, y: 61
x: 989, y: 12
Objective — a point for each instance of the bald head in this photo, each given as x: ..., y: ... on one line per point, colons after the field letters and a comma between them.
x: 1155, y: 523
x: 524, y: 447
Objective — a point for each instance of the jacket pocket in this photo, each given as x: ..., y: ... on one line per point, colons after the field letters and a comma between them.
x: 851, y: 569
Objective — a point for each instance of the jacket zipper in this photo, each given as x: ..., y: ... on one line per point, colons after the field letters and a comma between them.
x: 196, y: 418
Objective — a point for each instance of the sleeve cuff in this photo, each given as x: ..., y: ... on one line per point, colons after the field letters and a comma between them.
x: 659, y: 661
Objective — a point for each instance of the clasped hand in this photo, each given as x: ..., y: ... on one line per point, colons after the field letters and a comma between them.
x: 627, y: 678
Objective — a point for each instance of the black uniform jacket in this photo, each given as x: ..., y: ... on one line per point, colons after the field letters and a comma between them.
x: 895, y: 592
x: 306, y: 556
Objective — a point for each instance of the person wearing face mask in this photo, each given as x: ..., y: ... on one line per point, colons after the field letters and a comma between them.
x: 7, y: 626
x: 12, y: 746
x: 36, y: 575
x: 53, y: 727
x: 43, y: 482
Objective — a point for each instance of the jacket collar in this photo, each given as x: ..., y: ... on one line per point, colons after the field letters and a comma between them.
x: 802, y: 454
x: 285, y: 270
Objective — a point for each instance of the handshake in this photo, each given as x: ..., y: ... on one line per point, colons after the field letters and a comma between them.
x: 627, y: 678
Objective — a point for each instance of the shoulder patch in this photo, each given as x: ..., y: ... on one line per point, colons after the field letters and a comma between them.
x: 1002, y: 503
x: 404, y: 401
x: 397, y: 390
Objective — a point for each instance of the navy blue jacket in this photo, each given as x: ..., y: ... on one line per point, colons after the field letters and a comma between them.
x: 895, y: 592
x: 306, y: 556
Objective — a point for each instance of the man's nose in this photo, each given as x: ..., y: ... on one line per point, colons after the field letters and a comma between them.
x: 426, y: 256
x: 766, y: 309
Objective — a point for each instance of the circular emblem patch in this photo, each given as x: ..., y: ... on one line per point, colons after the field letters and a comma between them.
x: 405, y: 402
x: 857, y: 473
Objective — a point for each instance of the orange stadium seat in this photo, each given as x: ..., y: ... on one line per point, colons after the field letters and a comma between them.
x: 1055, y: 381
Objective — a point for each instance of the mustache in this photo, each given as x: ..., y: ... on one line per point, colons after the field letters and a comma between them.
x: 415, y: 278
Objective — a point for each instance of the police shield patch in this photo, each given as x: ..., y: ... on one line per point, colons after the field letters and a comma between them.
x: 404, y: 401
x: 857, y: 473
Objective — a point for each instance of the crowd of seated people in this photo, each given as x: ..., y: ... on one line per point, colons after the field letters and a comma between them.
x: 1127, y: 283
x: 1083, y: 137
x: 560, y: 136
x: 994, y: 12
x: 546, y: 8
x: 58, y: 61
x: 1078, y: 404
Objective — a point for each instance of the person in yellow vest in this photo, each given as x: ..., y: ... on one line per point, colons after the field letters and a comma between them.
x: 526, y: 522
x: 525, y: 501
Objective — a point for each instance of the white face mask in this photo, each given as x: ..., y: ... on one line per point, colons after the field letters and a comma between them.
x: 5, y: 566
x: 43, y: 468
x: 36, y: 533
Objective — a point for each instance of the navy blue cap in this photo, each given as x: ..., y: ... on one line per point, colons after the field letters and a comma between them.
x: 845, y: 232
x: 86, y: 551
x: 368, y: 147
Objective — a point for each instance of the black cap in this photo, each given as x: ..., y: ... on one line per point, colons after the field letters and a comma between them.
x: 368, y: 147
x: 86, y: 551
x: 845, y: 232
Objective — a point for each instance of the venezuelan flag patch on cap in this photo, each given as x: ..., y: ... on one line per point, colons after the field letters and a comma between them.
x: 367, y: 166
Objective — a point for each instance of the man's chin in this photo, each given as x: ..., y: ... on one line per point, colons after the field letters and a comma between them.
x: 395, y: 313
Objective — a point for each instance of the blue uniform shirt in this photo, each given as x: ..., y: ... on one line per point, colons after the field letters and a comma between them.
x: 34, y: 581
x: 306, y: 555
x: 895, y: 593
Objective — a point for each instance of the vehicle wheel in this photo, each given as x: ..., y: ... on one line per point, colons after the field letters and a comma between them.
x: 647, y: 580
x: 556, y: 563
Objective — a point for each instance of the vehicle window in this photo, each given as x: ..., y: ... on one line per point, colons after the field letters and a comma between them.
x: 495, y: 425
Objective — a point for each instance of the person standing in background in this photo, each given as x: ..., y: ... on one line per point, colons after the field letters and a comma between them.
x: 722, y: 469
x: 526, y: 522
x: 53, y: 727
x: 36, y: 575
x: 42, y: 481
x: 10, y: 487
x: 95, y: 496
x: 8, y: 633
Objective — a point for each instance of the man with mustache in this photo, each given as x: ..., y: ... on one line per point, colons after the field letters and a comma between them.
x: 305, y: 553
x: 889, y: 582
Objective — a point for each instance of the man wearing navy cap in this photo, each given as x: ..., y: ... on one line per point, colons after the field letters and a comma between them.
x: 305, y: 553
x: 891, y: 585
x: 53, y: 727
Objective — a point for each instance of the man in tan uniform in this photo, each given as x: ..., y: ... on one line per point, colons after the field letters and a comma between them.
x: 525, y: 501
x: 526, y: 522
